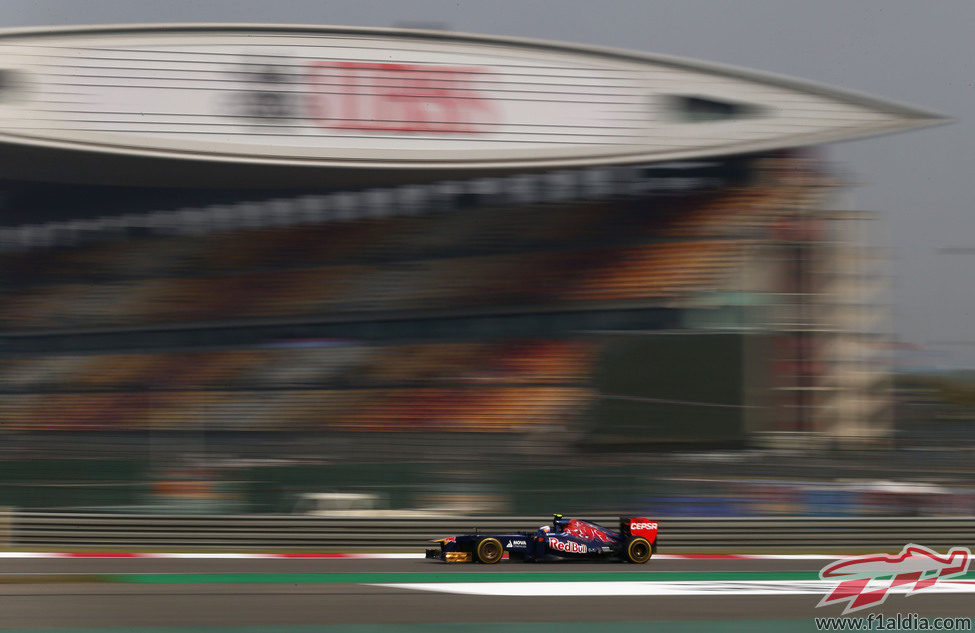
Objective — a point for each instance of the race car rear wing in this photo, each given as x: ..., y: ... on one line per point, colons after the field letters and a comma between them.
x: 639, y: 526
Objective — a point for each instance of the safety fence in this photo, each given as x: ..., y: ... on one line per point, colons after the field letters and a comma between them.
x: 281, y: 532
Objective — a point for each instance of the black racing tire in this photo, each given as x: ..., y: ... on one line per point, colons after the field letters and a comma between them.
x: 637, y: 550
x: 488, y: 551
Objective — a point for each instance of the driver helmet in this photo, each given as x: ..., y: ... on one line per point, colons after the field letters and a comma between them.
x: 559, y: 522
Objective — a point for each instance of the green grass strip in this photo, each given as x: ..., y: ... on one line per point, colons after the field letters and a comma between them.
x: 38, y: 579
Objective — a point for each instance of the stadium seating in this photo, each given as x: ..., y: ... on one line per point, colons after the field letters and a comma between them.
x: 485, y: 387
x: 568, y: 256
x: 659, y: 247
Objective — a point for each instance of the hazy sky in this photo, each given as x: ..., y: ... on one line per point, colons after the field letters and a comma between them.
x: 914, y: 51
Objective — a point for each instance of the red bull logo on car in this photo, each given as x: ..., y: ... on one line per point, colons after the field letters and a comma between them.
x: 583, y: 530
x: 570, y: 547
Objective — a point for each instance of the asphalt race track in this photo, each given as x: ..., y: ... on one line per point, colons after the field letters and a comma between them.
x: 368, y: 596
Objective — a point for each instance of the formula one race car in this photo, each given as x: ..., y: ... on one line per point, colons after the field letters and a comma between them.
x: 635, y: 542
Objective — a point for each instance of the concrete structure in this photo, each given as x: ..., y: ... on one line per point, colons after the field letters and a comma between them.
x: 250, y: 105
x: 332, y: 110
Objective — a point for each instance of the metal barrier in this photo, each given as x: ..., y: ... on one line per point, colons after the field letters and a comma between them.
x: 276, y: 532
x: 5, y: 525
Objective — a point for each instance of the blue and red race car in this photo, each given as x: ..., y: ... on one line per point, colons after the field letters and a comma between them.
x: 634, y: 542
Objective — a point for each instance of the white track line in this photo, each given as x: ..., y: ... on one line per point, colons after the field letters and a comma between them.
x: 392, y: 556
x: 655, y: 588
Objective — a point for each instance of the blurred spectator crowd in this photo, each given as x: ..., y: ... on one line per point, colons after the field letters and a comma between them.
x: 317, y: 386
x: 463, y: 261
x: 583, y: 252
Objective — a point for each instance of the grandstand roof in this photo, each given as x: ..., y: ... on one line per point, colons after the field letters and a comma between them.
x: 223, y: 105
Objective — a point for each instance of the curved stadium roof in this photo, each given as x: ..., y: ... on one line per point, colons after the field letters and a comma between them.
x: 290, y: 106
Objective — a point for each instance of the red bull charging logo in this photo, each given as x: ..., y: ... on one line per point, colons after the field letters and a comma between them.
x: 581, y: 529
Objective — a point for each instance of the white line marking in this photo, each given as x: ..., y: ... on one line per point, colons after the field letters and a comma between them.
x: 653, y: 588
x: 393, y: 556
x: 204, y: 555
x: 748, y: 557
x: 795, y: 556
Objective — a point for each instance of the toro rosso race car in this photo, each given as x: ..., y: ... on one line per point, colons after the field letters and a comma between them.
x: 634, y: 542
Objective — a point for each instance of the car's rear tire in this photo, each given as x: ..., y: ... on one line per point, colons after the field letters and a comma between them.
x: 488, y: 551
x: 637, y: 550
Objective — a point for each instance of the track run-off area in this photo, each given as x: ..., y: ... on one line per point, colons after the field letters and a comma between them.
x: 404, y: 593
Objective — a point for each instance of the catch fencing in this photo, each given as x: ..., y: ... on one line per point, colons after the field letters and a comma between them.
x: 42, y: 530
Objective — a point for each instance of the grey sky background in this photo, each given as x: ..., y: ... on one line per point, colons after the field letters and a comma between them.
x: 913, y: 51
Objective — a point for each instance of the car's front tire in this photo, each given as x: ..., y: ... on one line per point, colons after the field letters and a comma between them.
x: 488, y: 551
x: 637, y: 550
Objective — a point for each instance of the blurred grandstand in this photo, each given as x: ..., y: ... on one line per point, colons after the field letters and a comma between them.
x: 503, y: 343
x: 636, y: 312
